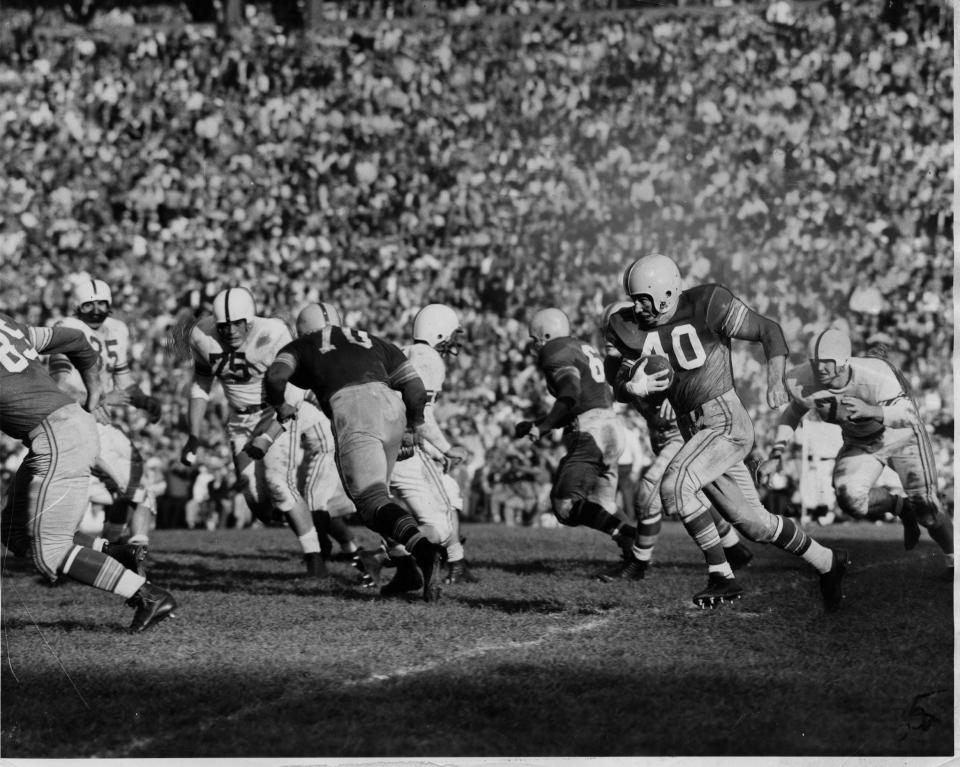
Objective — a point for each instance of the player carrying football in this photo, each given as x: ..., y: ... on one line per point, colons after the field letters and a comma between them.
x: 693, y: 328
x: 881, y: 426
x: 665, y: 442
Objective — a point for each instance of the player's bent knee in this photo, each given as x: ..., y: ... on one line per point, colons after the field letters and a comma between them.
x: 371, y: 498
x: 852, y: 502
x: 563, y: 510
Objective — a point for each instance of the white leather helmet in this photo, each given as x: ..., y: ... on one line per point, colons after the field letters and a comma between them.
x: 659, y: 278
x: 316, y: 317
x: 438, y: 325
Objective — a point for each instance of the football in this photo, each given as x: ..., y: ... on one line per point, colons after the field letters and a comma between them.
x: 655, y: 363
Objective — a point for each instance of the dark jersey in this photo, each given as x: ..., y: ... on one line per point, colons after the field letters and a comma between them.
x: 573, y: 370
x: 334, y: 358
x: 696, y: 340
x: 27, y: 392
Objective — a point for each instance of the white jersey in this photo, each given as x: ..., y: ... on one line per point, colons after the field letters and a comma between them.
x: 240, y: 371
x: 433, y: 372
x: 112, y: 342
x: 875, y: 381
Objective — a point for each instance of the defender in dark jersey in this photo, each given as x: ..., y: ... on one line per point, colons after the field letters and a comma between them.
x: 355, y: 377
x: 585, y: 487
x: 693, y: 328
x: 49, y: 493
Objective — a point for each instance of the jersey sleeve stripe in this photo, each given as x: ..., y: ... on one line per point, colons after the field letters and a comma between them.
x: 734, y: 319
x: 39, y: 337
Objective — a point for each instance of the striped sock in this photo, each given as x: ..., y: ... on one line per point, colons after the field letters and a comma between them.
x: 96, y: 569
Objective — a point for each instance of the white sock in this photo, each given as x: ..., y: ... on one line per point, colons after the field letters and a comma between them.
x: 730, y: 539
x: 129, y: 584
x: 725, y: 570
x: 310, y: 542
x: 819, y: 556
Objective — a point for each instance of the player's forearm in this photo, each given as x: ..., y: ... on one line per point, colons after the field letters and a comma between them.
x: 558, y: 413
x: 899, y: 413
x: 432, y: 432
x: 415, y: 398
x: 275, y: 383
x: 196, y: 409
x: 91, y: 380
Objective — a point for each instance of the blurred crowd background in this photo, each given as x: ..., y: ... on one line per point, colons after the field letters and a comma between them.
x: 499, y: 159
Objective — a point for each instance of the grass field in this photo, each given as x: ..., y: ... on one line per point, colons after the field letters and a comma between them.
x: 537, y: 659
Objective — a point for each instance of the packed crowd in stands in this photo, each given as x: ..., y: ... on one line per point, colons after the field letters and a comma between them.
x: 799, y: 154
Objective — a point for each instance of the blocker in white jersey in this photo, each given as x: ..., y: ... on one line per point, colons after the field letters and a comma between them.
x: 235, y: 346
x: 119, y: 468
x: 881, y: 426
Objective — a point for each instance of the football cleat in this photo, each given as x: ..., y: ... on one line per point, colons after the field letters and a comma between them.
x: 738, y: 555
x: 316, y: 567
x: 911, y: 528
x: 831, y: 582
x: 407, y: 578
x: 629, y: 569
x: 719, y: 589
x: 152, y: 605
x: 370, y: 564
x: 130, y: 555
x: 460, y: 572
x: 429, y: 559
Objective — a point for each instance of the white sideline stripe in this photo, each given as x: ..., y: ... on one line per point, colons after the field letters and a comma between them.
x: 482, y: 649
x: 479, y: 650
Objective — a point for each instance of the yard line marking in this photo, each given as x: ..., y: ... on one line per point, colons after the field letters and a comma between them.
x: 479, y: 650
x: 199, y: 728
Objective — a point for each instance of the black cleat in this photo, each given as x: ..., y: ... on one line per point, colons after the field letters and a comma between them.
x: 629, y: 569
x: 738, y: 555
x: 911, y: 528
x: 406, y: 579
x: 316, y: 567
x: 831, y: 582
x: 460, y: 572
x: 153, y: 604
x: 719, y: 589
x: 130, y: 555
x: 429, y: 559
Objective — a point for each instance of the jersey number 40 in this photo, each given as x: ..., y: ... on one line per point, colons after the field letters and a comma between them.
x: 687, y: 349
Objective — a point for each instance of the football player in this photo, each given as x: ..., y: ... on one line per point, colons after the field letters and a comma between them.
x: 118, y: 473
x: 693, y: 328
x: 665, y: 441
x: 355, y: 377
x: 585, y: 487
x: 881, y: 426
x: 50, y: 489
x: 419, y: 479
x: 235, y: 346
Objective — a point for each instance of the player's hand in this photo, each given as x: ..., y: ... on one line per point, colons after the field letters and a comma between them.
x: 102, y: 414
x: 188, y: 456
x: 643, y: 385
x: 857, y: 408
x: 407, y: 446
x: 153, y: 409
x: 456, y: 455
x: 777, y: 395
x: 285, y: 412
x: 767, y: 469
x: 666, y: 412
